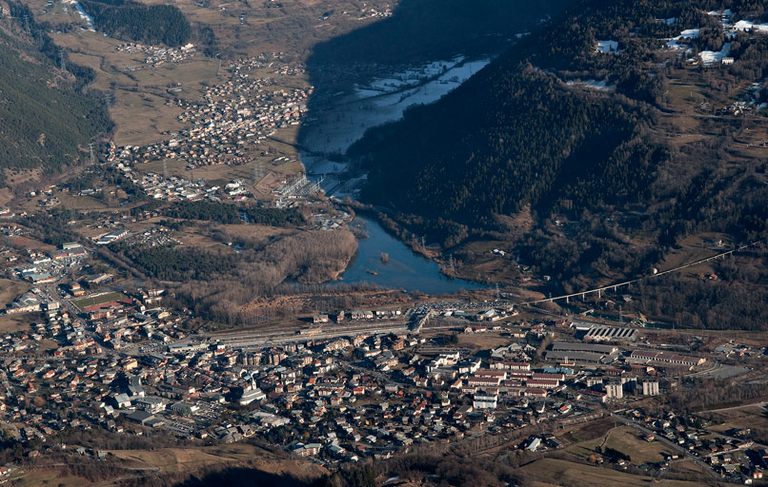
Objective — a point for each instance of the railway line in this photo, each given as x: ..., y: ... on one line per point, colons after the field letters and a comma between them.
x: 420, y: 319
x: 616, y: 286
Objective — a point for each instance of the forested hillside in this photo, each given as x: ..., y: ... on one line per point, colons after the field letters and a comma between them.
x: 539, y: 143
x: 45, y: 119
x: 557, y: 126
x: 621, y: 133
x: 150, y: 24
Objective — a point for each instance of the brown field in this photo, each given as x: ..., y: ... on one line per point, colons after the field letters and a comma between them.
x: 6, y: 195
x: 14, y: 177
x: 686, y: 467
x: 135, y: 464
x: 625, y: 440
x: 14, y: 323
x: 90, y: 232
x: 552, y: 472
x: 46, y: 477
x: 214, y: 174
x: 714, y: 337
x: 168, y: 460
x: 750, y: 416
x: 28, y: 243
x: 253, y: 232
x: 171, y: 459
x: 10, y: 290
x: 141, y: 118
x: 589, y: 432
x: 74, y: 202
x: 482, y: 341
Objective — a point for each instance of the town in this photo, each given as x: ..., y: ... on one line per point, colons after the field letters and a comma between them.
x: 341, y: 386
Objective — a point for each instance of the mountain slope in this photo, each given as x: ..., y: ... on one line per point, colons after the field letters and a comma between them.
x: 537, y: 144
x: 44, y: 120
x: 613, y: 142
x: 566, y: 129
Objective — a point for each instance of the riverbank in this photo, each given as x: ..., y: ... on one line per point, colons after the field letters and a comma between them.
x: 330, y: 134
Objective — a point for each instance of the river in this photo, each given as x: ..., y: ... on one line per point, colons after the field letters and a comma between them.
x: 335, y: 129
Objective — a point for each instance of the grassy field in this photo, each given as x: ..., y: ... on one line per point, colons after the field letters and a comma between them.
x: 551, y: 472
x: 744, y: 417
x: 75, y: 202
x: 625, y: 440
x: 96, y: 300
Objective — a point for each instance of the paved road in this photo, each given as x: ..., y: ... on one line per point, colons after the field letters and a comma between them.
x: 761, y: 404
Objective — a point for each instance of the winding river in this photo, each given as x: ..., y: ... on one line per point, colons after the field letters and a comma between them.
x: 382, y: 259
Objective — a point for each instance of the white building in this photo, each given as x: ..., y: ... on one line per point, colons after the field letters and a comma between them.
x: 484, y: 400
x: 614, y: 391
x: 650, y: 388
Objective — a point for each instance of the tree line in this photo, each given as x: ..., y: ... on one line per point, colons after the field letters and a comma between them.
x: 232, y: 214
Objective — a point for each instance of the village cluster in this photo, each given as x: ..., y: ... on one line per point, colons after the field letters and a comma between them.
x: 243, y: 110
x: 731, y: 455
x: 155, y: 56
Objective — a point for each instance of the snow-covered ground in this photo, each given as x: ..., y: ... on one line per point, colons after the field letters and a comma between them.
x: 409, y: 78
x: 339, y: 127
x: 747, y: 25
x: 709, y: 58
x: 607, y: 47
x: 680, y: 42
x: 689, y: 34
x: 727, y: 13
x: 82, y: 13
x: 592, y: 84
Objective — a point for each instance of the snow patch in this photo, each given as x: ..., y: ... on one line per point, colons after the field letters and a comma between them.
x: 709, y: 58
x: 689, y: 34
x: 607, y: 47
x: 592, y: 84
x: 409, y: 78
x: 747, y: 25
x: 82, y: 13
